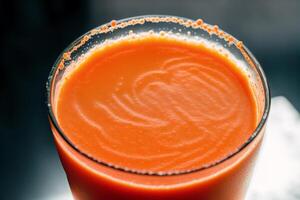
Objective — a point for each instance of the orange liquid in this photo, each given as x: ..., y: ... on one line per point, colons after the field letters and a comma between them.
x: 154, y: 104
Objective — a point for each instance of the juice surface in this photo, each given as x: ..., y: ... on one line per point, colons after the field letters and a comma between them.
x: 156, y: 103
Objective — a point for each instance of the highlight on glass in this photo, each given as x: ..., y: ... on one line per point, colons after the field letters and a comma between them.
x: 158, y: 107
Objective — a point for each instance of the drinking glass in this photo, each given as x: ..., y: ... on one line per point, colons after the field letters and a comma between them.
x: 226, y: 179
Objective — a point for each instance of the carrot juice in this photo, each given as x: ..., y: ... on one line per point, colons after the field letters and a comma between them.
x: 156, y: 115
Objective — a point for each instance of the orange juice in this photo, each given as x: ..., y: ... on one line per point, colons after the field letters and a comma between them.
x: 154, y: 117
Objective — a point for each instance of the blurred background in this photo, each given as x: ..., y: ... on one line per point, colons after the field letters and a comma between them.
x: 34, y: 32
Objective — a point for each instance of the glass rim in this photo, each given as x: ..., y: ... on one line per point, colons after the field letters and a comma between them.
x: 255, y: 133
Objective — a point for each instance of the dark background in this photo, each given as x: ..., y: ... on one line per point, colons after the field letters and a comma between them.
x: 34, y: 32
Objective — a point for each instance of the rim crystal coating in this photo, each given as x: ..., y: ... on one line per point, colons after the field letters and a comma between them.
x: 110, y: 26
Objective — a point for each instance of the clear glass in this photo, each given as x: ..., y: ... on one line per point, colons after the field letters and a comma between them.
x: 227, y: 178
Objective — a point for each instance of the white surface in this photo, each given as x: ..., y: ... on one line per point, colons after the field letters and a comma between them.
x: 277, y: 173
